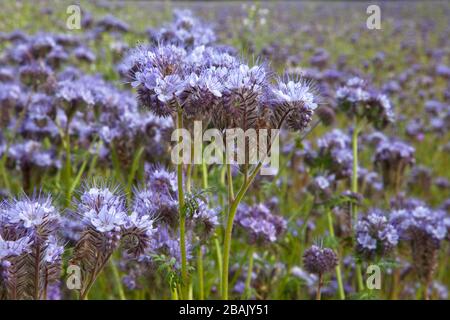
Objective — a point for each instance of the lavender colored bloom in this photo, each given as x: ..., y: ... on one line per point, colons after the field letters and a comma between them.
x: 34, y: 74
x: 309, y: 279
x: 102, y: 208
x: 17, y: 247
x: 334, y: 150
x: 319, y: 261
x: 375, y: 236
x: 54, y: 291
x: 111, y: 23
x: 203, y: 220
x: 424, y: 229
x: 84, y: 54
x: 296, y: 101
x: 76, y: 92
x: 185, y: 30
x: 261, y: 225
x: 167, y: 89
x: 393, y: 157
x: 358, y: 100
x: 53, y: 251
x: 31, y: 213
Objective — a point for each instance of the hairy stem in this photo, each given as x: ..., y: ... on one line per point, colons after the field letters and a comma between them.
x: 184, y: 274
x: 229, y: 230
x: 353, y: 206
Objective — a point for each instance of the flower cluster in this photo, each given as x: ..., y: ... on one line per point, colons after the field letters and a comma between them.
x: 375, y: 235
x: 207, y: 82
x: 319, y: 261
x: 261, y: 226
x: 393, y: 158
x: 334, y: 154
x: 185, y: 30
x: 359, y: 100
x: 29, y: 249
x: 424, y: 229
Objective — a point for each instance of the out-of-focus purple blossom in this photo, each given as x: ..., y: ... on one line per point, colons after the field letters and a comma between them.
x: 424, y: 229
x: 261, y: 225
x: 358, y: 100
x: 319, y: 261
x: 375, y: 236
x: 392, y: 158
x: 112, y: 23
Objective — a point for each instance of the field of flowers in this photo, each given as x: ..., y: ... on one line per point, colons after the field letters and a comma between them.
x: 93, y: 206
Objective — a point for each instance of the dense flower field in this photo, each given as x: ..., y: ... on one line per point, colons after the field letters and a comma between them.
x: 93, y: 206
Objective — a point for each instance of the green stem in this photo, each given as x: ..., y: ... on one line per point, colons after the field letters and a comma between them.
x: 229, y: 230
x: 355, y: 169
x: 117, y: 279
x: 248, y: 280
x: 319, y: 287
x: 201, y: 286
x: 338, y: 267
x: 353, y: 206
x: 230, y: 184
x: 204, y: 174
x: 184, y: 274
x: 219, y: 262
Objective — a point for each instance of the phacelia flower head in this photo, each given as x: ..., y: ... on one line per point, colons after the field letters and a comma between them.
x: 375, y: 235
x: 32, y: 213
x: 359, y: 100
x: 393, y: 158
x: 424, y: 229
x: 102, y: 208
x: 262, y: 226
x: 294, y: 101
x: 319, y: 261
x: 12, y: 248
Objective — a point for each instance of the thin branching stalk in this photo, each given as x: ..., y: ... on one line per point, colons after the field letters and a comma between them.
x: 230, y: 184
x: 229, y: 230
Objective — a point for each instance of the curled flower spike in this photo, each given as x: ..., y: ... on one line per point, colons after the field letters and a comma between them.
x: 424, y: 229
x: 294, y: 102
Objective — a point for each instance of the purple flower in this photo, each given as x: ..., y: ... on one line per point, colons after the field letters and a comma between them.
x: 261, y: 225
x: 319, y: 261
x: 169, y: 88
x: 359, y: 100
x: 31, y: 213
x: 375, y: 235
x: 424, y: 229
x: 102, y: 208
x: 393, y: 157
x: 17, y: 247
